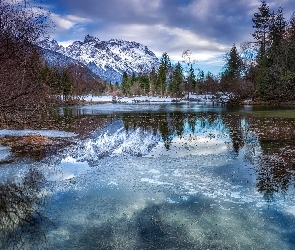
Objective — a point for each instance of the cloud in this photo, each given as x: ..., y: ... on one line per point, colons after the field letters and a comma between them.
x: 68, y: 21
x: 207, y: 27
x: 216, y: 20
x: 166, y: 39
x: 77, y: 19
x: 69, y: 27
x: 61, y: 22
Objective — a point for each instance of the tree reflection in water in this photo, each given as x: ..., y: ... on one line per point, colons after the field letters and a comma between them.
x: 275, y: 166
x: 20, y: 201
x: 20, y: 217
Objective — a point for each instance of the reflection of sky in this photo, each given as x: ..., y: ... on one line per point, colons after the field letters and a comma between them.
x: 201, y: 138
x: 68, y: 169
x: 126, y: 218
x: 138, y: 108
x: 189, y: 145
x: 4, y: 152
x: 181, y: 196
x: 197, y: 191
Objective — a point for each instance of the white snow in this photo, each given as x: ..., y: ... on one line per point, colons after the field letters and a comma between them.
x: 111, y: 58
x: 203, y: 99
x: 91, y: 98
x: 26, y: 132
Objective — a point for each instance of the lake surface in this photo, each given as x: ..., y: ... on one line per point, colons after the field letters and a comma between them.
x: 157, y: 176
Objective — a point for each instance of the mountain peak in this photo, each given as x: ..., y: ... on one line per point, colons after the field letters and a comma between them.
x: 108, y: 59
x: 90, y: 39
x: 50, y: 45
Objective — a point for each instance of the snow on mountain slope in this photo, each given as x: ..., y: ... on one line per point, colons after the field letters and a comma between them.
x: 107, y: 59
x: 56, y: 58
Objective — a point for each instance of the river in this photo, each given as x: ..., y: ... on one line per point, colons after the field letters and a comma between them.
x: 157, y: 176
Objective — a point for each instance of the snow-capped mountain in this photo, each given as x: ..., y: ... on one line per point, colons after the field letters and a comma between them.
x: 107, y: 59
x: 57, y: 59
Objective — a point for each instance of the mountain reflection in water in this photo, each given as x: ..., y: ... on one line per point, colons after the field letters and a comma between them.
x: 275, y: 166
x: 160, y: 177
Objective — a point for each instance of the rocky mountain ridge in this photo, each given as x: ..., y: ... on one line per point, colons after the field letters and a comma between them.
x: 107, y: 59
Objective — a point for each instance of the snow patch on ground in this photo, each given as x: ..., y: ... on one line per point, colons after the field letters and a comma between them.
x: 26, y: 132
x: 208, y: 98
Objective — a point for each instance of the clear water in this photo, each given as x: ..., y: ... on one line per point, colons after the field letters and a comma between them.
x: 159, y: 177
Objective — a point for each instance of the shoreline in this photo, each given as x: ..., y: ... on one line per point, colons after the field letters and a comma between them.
x: 205, y: 99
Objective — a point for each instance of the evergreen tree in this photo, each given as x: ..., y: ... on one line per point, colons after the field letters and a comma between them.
x: 176, y: 80
x: 287, y: 55
x: 125, y: 84
x: 192, y: 78
x: 290, y: 44
x: 209, y: 83
x: 261, y: 25
x: 232, y: 71
x: 200, y: 80
x: 144, y: 84
x: 277, y: 28
x: 132, y: 79
x: 274, y: 77
x: 163, y: 74
x: 67, y: 84
x: 152, y: 80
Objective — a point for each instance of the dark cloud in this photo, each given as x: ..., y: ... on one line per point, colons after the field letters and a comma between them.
x: 225, y: 20
x: 161, y: 24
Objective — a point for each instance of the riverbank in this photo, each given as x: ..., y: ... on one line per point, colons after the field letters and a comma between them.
x: 213, y: 99
x: 258, y: 102
x: 205, y: 98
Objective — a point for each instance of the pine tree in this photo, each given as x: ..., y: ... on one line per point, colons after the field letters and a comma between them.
x: 234, y: 64
x: 209, y: 82
x: 163, y: 74
x: 67, y: 84
x: 261, y: 22
x: 200, y: 80
x: 152, y: 81
x: 192, y: 78
x: 273, y: 75
x: 232, y: 78
x: 176, y: 80
x: 277, y: 28
x: 262, y: 25
x: 290, y: 44
x: 125, y: 84
x: 232, y: 71
x: 132, y: 79
x: 144, y: 83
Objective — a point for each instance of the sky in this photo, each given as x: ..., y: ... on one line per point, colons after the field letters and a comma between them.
x: 208, y: 28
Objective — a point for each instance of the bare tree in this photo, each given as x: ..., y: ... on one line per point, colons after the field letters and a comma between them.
x: 21, y: 25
